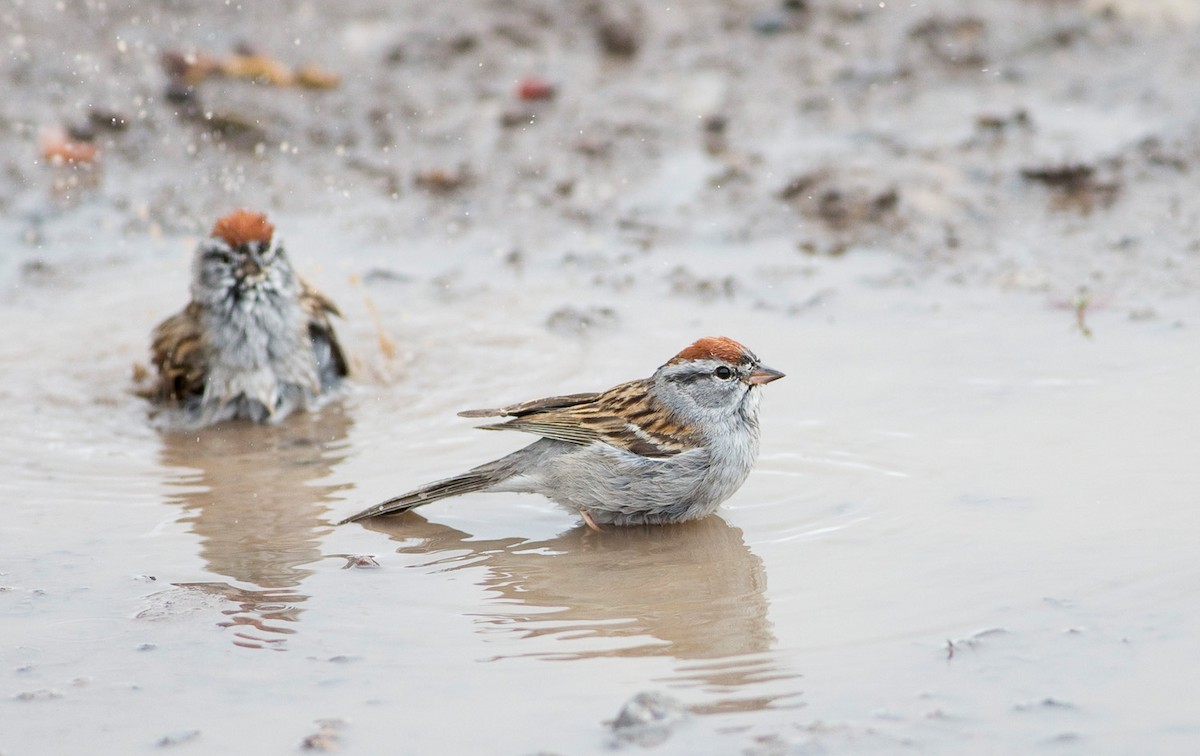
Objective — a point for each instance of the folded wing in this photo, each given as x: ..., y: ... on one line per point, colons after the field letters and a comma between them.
x: 331, y: 360
x: 180, y: 354
x: 626, y: 417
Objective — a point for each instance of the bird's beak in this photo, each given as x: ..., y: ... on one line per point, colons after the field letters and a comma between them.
x: 251, y: 266
x: 763, y: 374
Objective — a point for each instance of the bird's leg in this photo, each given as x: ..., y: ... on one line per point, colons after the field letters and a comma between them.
x: 587, y: 518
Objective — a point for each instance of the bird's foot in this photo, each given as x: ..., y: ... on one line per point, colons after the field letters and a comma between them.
x: 587, y: 518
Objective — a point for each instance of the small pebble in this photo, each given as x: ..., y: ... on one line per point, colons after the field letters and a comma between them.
x: 512, y: 118
x: 360, y: 561
x: 325, y: 738
x: 618, y: 38
x: 648, y: 718
x: 108, y: 119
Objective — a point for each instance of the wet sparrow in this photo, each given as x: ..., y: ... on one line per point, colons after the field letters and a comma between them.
x: 255, y: 342
x: 663, y: 449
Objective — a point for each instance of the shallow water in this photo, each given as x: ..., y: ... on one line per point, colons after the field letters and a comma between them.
x: 970, y: 527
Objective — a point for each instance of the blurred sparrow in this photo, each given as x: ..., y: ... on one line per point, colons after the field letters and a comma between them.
x: 255, y: 342
x: 663, y: 449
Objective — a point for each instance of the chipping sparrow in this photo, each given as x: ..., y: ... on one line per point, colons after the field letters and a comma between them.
x: 255, y: 342
x: 663, y: 449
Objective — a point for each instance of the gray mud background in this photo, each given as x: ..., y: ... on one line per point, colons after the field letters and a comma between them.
x: 968, y: 231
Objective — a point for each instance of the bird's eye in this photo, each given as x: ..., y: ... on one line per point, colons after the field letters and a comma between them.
x: 723, y: 373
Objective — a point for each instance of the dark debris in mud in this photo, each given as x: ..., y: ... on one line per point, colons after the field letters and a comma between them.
x: 1044, y: 704
x: 957, y: 42
x: 442, y: 180
x: 325, y: 738
x: 1075, y: 186
x: 177, y: 738
x: 575, y: 321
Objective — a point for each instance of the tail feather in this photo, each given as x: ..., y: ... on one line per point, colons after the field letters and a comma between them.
x: 468, y: 482
x: 476, y: 479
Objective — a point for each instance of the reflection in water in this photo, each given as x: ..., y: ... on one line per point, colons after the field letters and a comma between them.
x: 248, y: 495
x: 693, y: 592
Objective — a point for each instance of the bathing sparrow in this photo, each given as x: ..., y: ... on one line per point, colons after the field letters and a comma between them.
x: 663, y: 449
x: 255, y: 341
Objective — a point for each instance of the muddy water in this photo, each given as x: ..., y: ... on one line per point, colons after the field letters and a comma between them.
x: 971, y: 527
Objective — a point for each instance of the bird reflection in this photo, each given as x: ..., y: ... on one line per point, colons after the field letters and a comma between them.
x: 259, y: 518
x: 693, y: 592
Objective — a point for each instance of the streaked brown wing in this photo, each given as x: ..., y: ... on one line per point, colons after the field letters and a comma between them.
x: 319, y: 307
x: 181, y: 354
x: 316, y: 303
x: 624, y: 417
